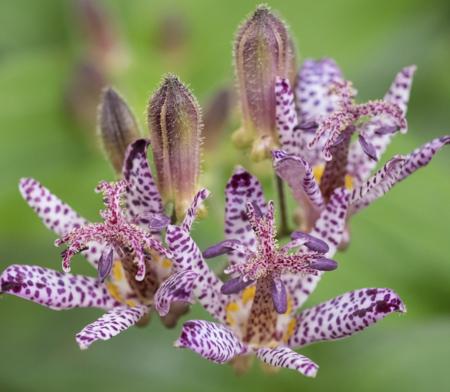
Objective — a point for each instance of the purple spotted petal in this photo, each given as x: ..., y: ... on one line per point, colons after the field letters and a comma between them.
x: 212, y: 341
x: 191, y: 213
x: 377, y: 185
x: 54, y: 289
x: 222, y: 248
x: 329, y: 228
x: 311, y: 242
x: 110, y: 324
x: 422, y: 156
x: 300, y: 178
x: 396, y: 170
x: 279, y: 296
x: 105, y: 264
x: 178, y: 287
x: 345, y: 315
x: 235, y: 285
x: 286, y: 358
x: 187, y: 256
x: 57, y: 215
x: 290, y: 135
x: 242, y: 188
x: 380, y: 130
x: 315, y: 79
x: 142, y: 197
x: 324, y: 264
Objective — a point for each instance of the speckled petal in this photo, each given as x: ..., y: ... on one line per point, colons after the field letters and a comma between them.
x: 187, y: 256
x: 377, y: 185
x: 54, y: 289
x: 57, y: 215
x: 110, y: 324
x: 284, y: 357
x: 191, y: 213
x: 290, y: 136
x: 300, y: 178
x: 422, y: 156
x: 142, y: 197
x: 315, y: 79
x: 242, y: 188
x: 178, y: 287
x: 378, y: 131
x: 212, y: 341
x: 345, y: 315
x: 329, y: 228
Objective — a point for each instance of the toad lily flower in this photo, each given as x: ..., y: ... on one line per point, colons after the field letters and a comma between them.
x: 125, y: 249
x: 256, y: 311
x: 317, y: 154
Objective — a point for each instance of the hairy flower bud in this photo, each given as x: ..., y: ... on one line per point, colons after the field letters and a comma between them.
x: 263, y: 50
x: 117, y: 127
x: 174, y: 119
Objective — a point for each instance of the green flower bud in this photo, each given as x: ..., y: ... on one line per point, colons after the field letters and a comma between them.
x: 174, y: 119
x: 263, y: 50
x: 117, y: 127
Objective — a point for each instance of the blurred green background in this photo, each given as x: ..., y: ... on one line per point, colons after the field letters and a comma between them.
x: 401, y: 242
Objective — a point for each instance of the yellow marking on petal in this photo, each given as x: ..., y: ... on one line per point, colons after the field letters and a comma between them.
x: 131, y: 303
x: 318, y: 172
x: 231, y: 307
x: 348, y: 181
x: 290, y: 329
x: 289, y: 306
x: 167, y: 263
x: 248, y: 294
x: 117, y: 271
x: 114, y: 292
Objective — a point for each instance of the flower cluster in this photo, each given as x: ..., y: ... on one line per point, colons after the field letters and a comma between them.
x: 143, y: 250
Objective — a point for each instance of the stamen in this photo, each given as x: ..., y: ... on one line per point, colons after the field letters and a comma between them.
x: 368, y: 148
x: 223, y: 247
x: 324, y: 264
x: 235, y: 285
x: 105, y: 264
x: 279, y: 296
x: 312, y: 243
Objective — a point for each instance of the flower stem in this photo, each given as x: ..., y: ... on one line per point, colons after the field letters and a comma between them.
x: 284, y: 228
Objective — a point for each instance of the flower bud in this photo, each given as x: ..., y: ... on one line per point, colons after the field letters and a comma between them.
x: 174, y: 119
x: 263, y: 50
x: 117, y: 127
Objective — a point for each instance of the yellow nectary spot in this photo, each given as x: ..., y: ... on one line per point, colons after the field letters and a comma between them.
x: 167, y: 263
x: 248, y: 294
x: 348, y: 181
x: 289, y: 306
x: 318, y: 172
x: 131, y: 303
x: 114, y: 291
x: 290, y: 329
x: 117, y: 271
x: 230, y: 308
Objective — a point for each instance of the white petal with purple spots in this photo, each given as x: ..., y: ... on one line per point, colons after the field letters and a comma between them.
x: 345, y: 315
x: 53, y: 289
x: 57, y: 215
x: 300, y: 178
x: 178, y: 287
x: 142, y: 196
x: 242, y: 188
x: 110, y: 324
x: 329, y: 228
x: 284, y: 357
x: 212, y: 341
